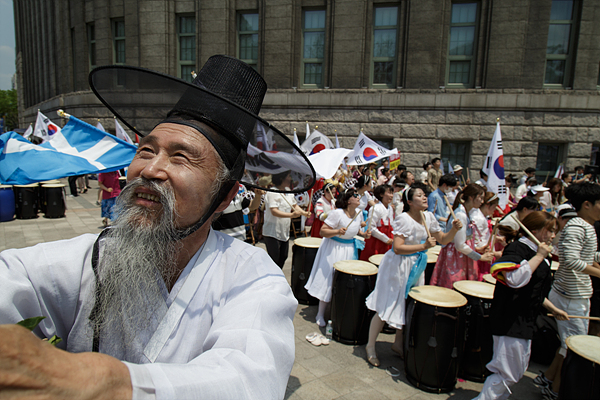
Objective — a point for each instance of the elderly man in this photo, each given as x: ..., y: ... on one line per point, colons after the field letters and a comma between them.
x: 160, y: 305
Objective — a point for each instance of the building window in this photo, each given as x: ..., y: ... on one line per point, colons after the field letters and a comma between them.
x: 385, y: 31
x: 248, y: 39
x: 91, y: 34
x: 74, y: 57
x: 549, y: 157
x: 118, y: 28
x: 313, y: 48
x: 559, y: 50
x: 455, y: 152
x: 186, y: 41
x: 460, y: 67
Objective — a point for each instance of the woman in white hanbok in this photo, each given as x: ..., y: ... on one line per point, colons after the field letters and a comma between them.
x: 339, y: 244
x: 408, y: 251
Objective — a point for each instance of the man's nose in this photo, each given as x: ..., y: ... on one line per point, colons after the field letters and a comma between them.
x: 156, y: 168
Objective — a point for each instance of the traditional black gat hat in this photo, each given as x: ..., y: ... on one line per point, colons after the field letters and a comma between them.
x: 227, y: 95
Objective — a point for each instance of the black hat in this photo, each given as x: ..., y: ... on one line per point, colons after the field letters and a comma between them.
x: 226, y: 95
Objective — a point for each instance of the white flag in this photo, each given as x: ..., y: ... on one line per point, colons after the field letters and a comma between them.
x: 99, y: 126
x: 337, y: 142
x: 315, y: 143
x: 28, y: 133
x: 121, y: 134
x: 307, y: 131
x: 44, y: 128
x: 296, y: 141
x: 494, y: 168
x: 450, y: 169
x: 442, y: 167
x: 367, y: 151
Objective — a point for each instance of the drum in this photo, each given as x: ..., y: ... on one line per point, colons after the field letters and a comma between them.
x: 488, y: 278
x: 55, y: 200
x: 304, y: 252
x: 433, y: 338
x: 432, y: 256
x: 42, y: 194
x: 26, y: 201
x: 7, y: 203
x: 479, y: 345
x: 376, y: 259
x: 353, y: 281
x: 580, y: 376
x: 122, y: 182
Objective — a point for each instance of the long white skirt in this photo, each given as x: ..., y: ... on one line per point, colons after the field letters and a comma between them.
x: 387, y: 299
x: 320, y: 282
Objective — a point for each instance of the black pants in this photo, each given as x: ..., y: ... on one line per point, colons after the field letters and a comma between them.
x: 73, y: 184
x: 278, y: 250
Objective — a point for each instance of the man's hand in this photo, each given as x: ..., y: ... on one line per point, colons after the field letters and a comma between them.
x: 30, y: 367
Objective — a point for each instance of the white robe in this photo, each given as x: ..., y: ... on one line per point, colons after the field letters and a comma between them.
x: 227, y: 334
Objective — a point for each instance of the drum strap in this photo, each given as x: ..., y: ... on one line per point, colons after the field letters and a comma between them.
x: 358, y: 244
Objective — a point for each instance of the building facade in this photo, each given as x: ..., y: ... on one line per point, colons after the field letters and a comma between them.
x: 429, y: 77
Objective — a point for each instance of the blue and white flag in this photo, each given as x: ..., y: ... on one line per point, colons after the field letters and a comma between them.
x: 494, y: 168
x: 77, y: 149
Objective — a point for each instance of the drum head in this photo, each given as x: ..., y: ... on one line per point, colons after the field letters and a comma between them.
x: 359, y: 238
x: 475, y: 288
x: 5, y: 187
x: 356, y: 267
x: 376, y: 259
x: 54, y: 185
x: 554, y: 266
x: 437, y: 296
x: 585, y: 346
x: 433, y: 253
x: 27, y: 186
x: 49, y: 182
x: 488, y: 278
x: 310, y: 242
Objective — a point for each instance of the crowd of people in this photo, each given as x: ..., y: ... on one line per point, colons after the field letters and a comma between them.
x: 371, y: 209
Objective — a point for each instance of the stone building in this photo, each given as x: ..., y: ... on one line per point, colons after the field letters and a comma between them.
x: 429, y: 77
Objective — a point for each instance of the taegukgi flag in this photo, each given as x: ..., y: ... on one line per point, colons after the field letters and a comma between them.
x: 121, y: 134
x: 367, y: 151
x: 44, y: 128
x: 315, y: 143
x: 78, y: 149
x: 494, y: 168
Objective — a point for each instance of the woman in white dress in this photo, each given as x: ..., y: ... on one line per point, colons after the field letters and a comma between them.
x: 482, y: 230
x: 363, y: 186
x: 410, y: 244
x: 338, y: 244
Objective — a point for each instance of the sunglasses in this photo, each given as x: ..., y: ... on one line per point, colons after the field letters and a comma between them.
x: 356, y: 195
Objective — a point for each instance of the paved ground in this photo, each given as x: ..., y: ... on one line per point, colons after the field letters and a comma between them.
x: 336, y: 371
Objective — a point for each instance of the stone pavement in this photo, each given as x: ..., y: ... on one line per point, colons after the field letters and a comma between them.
x: 336, y: 371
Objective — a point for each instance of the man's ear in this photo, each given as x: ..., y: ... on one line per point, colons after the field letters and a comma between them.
x: 230, y: 195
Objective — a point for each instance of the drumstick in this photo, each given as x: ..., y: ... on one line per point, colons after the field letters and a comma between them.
x: 500, y: 210
x: 579, y: 316
x: 527, y: 231
x: 353, y: 218
x: 425, y: 224
x: 329, y: 190
x: 370, y: 217
x: 286, y: 200
x: 435, y: 206
x: 493, y: 237
x: 450, y: 207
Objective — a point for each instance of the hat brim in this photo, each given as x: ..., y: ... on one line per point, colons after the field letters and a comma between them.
x: 141, y: 99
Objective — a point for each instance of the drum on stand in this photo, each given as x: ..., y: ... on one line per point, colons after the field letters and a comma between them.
x: 433, y: 338
x: 376, y: 259
x: 432, y: 256
x: 26, y: 201
x: 353, y: 281
x: 479, y: 344
x: 488, y: 278
x: 55, y: 200
x: 304, y: 252
x: 122, y: 182
x: 580, y: 375
x: 42, y: 194
x: 7, y: 203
